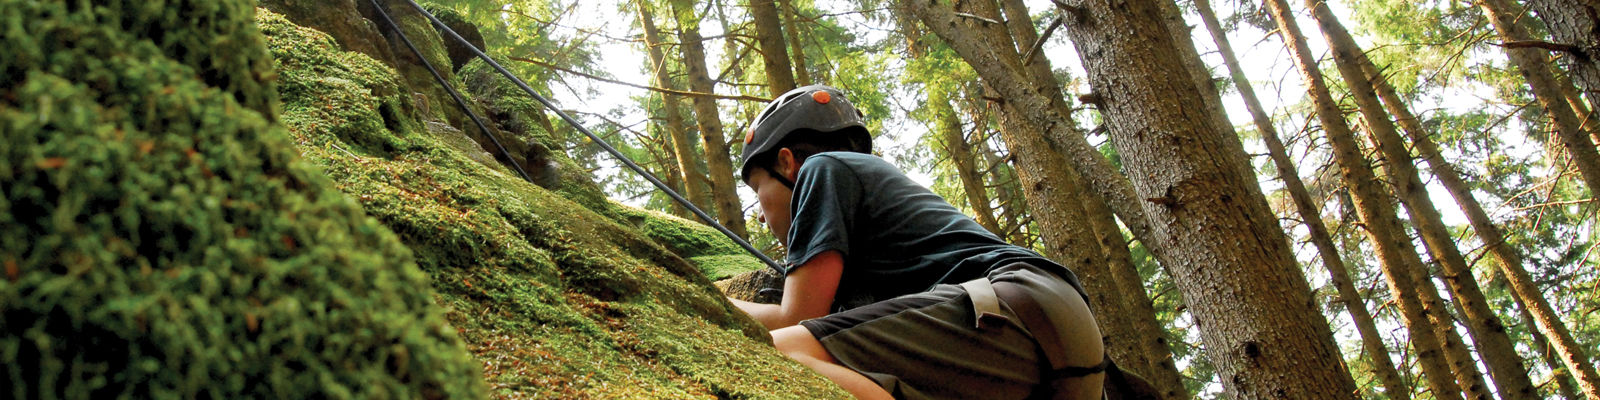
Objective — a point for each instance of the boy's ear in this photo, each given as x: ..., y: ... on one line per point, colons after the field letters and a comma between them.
x: 785, y: 164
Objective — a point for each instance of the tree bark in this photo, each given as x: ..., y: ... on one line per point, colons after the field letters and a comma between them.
x: 1534, y: 68
x: 1566, y: 387
x: 1573, y: 23
x: 1150, y: 348
x: 1053, y: 194
x: 790, y: 13
x: 718, y: 159
x: 1311, y: 216
x: 1182, y: 37
x: 695, y: 187
x: 1398, y: 258
x: 960, y: 152
x: 769, y: 35
x: 1272, y: 344
x: 1152, y: 342
x: 1524, y: 289
x: 1498, y: 352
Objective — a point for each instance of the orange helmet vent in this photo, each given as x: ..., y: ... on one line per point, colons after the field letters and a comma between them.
x: 822, y: 97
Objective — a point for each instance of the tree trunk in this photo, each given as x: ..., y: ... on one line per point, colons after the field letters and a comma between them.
x: 1311, y: 215
x: 682, y: 148
x: 769, y: 34
x: 1398, y: 258
x: 708, y: 118
x: 1271, y: 344
x: 1054, y: 197
x: 1013, y: 209
x: 1182, y: 37
x: 1498, y: 352
x: 1523, y: 287
x: 1574, y: 23
x: 1162, y: 366
x: 960, y: 152
x: 1052, y: 191
x: 1150, y: 349
x: 1531, y: 63
x: 790, y: 13
x: 1566, y: 387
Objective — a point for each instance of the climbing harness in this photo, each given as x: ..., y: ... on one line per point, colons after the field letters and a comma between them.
x: 564, y: 116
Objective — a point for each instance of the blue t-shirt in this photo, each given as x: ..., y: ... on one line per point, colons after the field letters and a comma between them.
x: 896, y: 236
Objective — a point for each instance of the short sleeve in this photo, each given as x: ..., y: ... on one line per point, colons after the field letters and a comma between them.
x: 826, y: 200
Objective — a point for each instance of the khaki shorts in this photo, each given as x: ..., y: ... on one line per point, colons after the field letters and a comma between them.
x: 929, y: 345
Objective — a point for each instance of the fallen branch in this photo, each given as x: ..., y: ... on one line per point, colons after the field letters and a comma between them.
x: 645, y: 87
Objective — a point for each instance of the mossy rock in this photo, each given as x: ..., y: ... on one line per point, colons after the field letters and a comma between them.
x: 165, y: 240
x: 341, y: 19
x: 524, y: 121
x: 717, y: 256
x: 555, y: 299
x: 459, y: 53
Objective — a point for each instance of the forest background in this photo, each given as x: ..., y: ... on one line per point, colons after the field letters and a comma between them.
x: 675, y: 83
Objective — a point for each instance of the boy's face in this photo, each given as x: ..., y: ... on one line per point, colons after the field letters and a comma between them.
x: 773, y: 196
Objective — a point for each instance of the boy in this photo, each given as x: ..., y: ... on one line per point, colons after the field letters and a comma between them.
x: 891, y: 291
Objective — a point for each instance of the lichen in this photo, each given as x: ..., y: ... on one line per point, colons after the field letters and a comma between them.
x: 164, y: 239
x: 555, y: 299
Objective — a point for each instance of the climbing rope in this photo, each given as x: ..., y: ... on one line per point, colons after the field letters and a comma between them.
x: 452, y: 90
x: 564, y: 116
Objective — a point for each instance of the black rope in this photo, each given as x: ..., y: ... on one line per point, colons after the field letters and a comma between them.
x: 452, y: 90
x: 571, y: 121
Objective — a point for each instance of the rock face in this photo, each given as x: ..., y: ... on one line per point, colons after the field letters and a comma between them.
x: 198, y: 200
x: 162, y: 238
x: 343, y: 20
x: 559, y: 292
x: 459, y: 53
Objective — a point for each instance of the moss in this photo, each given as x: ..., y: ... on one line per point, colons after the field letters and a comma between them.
x: 420, y: 31
x: 555, y: 299
x: 173, y: 244
x: 716, y: 256
x: 719, y: 267
x: 523, y: 116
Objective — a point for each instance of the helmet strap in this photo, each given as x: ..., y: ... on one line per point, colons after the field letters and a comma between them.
x: 779, y: 177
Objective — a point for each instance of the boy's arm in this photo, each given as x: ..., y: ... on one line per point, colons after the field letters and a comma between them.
x: 807, y: 293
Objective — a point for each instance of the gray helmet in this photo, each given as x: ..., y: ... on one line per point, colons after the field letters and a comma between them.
x: 815, y: 109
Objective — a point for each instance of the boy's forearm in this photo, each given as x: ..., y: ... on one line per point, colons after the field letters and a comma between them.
x: 769, y: 315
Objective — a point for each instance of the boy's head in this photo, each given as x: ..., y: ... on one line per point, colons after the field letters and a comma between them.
x: 807, y: 120
x: 800, y: 123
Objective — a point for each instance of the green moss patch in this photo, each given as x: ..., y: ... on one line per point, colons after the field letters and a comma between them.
x: 716, y: 256
x: 164, y: 239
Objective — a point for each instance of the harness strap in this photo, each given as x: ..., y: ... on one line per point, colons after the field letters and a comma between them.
x: 985, y: 304
x: 1044, y: 333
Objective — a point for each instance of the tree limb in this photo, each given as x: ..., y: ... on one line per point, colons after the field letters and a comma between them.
x: 638, y: 86
x: 1540, y: 44
x: 985, y: 20
x: 1039, y: 44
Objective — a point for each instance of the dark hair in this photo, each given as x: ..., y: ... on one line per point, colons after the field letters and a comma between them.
x: 806, y: 143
